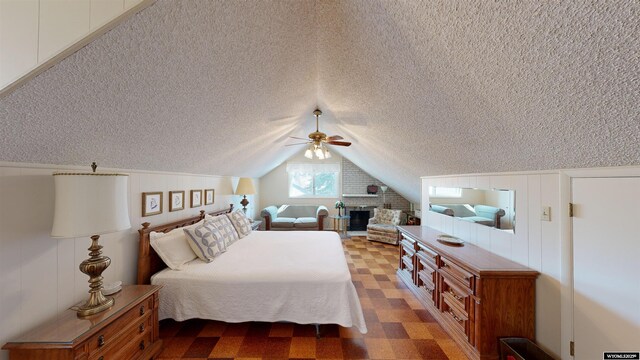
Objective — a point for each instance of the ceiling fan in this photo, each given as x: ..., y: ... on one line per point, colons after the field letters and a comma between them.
x: 318, y: 141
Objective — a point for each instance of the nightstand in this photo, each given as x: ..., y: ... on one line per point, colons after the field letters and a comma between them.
x: 128, y: 330
x: 413, y: 218
x: 255, y: 225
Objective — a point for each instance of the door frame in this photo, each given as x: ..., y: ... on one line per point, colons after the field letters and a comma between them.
x: 566, y: 239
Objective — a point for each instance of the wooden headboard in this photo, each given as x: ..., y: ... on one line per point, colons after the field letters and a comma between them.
x: 149, y: 262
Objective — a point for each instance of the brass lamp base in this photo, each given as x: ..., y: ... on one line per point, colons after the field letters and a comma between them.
x: 94, y: 266
x: 244, y: 202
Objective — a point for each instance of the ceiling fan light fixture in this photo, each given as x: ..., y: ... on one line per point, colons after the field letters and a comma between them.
x: 318, y: 142
x: 309, y: 153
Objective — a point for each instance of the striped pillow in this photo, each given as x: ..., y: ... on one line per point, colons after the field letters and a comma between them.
x: 205, y: 240
x: 240, y: 223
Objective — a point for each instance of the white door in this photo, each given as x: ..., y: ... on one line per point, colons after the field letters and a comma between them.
x: 606, y: 259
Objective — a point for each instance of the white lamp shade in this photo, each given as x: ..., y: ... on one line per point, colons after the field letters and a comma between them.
x: 90, y: 204
x: 308, y: 154
x: 245, y: 187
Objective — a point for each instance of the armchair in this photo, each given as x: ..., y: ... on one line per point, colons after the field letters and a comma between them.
x: 382, y: 226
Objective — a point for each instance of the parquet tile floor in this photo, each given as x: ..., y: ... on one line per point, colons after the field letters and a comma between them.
x: 399, y: 326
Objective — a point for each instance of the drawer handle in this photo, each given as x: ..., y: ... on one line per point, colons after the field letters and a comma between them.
x: 141, y: 310
x: 457, y: 297
x: 141, y: 345
x: 101, y: 358
x: 454, y: 316
x: 142, y: 328
x: 101, y: 340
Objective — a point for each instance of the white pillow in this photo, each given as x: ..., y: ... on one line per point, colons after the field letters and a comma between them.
x: 205, y: 240
x: 172, y: 247
x: 240, y: 223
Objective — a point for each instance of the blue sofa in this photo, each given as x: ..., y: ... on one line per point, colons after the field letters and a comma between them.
x: 479, y: 214
x: 294, y: 217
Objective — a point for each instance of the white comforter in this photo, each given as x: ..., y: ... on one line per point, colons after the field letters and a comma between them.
x: 296, y: 276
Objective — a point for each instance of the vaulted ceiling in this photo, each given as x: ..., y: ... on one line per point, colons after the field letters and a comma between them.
x: 419, y: 87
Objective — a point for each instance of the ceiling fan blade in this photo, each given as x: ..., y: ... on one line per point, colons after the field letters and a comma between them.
x: 299, y: 138
x: 334, y: 137
x: 339, y: 143
x: 304, y: 143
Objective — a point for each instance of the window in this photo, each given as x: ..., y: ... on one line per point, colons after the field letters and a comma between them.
x: 313, y: 180
x: 444, y: 192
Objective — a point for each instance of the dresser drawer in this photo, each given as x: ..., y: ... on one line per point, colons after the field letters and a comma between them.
x: 455, y: 271
x: 407, y: 261
x: 460, y: 319
x: 427, y: 255
x: 428, y: 278
x: 457, y: 293
x: 129, y: 346
x: 407, y: 247
x: 126, y: 324
x: 406, y: 255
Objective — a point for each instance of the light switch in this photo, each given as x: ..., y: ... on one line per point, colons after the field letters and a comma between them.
x: 545, y: 215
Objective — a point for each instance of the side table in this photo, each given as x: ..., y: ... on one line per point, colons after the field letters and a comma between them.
x: 340, y: 224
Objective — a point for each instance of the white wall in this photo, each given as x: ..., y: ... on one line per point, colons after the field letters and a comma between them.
x: 535, y: 243
x: 32, y: 32
x: 275, y: 187
x: 39, y: 275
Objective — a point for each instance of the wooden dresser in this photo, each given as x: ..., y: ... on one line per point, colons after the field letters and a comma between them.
x: 129, y: 330
x: 477, y: 296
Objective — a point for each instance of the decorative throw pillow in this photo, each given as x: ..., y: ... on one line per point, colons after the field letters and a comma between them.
x: 172, y: 247
x: 240, y: 223
x: 205, y: 240
x: 223, y: 224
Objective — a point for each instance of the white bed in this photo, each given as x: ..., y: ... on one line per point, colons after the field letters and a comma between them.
x: 297, y: 276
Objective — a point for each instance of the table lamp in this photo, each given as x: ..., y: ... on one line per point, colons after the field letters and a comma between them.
x: 245, y: 187
x: 91, y: 204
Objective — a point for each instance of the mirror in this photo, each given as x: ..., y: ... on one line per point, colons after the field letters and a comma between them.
x: 495, y: 208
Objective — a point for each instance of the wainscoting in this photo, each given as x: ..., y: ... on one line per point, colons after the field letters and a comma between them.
x: 535, y: 243
x: 40, y: 275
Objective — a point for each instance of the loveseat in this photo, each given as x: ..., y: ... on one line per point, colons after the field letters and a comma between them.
x: 382, y: 226
x: 480, y: 214
x: 294, y: 217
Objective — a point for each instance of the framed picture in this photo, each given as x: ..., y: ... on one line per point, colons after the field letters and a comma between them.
x: 208, y: 196
x: 176, y: 200
x: 196, y: 198
x: 151, y: 203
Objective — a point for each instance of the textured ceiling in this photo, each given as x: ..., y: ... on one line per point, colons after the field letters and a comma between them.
x: 187, y: 86
x: 421, y: 88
